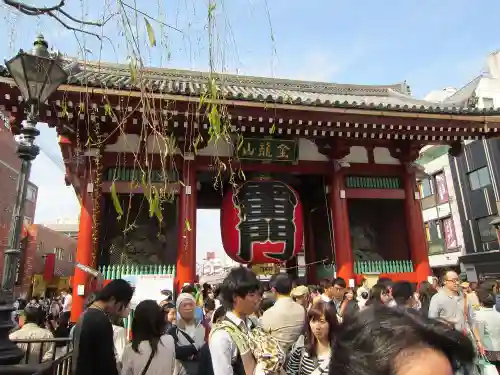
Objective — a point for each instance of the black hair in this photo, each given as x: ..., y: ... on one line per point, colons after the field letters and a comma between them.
x: 315, y: 289
x: 32, y: 314
x: 318, y: 310
x: 209, y: 304
x: 485, y: 297
x: 119, y: 290
x: 402, y: 291
x: 168, y: 306
x: 266, y: 286
x: 216, y: 291
x: 190, y: 289
x: 206, y: 288
x: 373, y: 341
x: 218, y: 314
x: 283, y: 284
x: 340, y: 282
x: 239, y: 282
x: 148, y: 324
x: 385, y: 281
x: 376, y: 292
x: 91, y: 298
x: 425, y: 292
x: 266, y: 304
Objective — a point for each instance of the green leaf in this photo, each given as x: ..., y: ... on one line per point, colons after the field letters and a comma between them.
x: 151, y: 33
x: 116, y: 201
x: 273, y: 129
x: 188, y: 225
x: 133, y: 70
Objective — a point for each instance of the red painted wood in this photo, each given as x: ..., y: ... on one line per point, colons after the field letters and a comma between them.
x: 186, y: 240
x: 375, y: 194
x: 83, y: 253
x: 415, y: 229
x: 342, y: 234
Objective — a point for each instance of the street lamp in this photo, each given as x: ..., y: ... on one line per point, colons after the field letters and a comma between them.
x: 37, y: 75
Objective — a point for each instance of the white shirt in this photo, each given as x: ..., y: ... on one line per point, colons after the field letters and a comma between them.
x: 68, y: 301
x: 488, y: 325
x: 223, y: 350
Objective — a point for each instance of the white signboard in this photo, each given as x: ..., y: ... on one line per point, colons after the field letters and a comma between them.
x: 149, y: 287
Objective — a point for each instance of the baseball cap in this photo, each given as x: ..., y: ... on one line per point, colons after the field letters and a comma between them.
x: 299, y: 291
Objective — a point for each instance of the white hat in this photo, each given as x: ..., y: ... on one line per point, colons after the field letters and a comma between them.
x: 182, y: 298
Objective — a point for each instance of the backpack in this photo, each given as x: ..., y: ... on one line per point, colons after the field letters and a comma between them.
x: 266, y: 350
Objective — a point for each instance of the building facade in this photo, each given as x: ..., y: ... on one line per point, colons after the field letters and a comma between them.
x: 10, y: 166
x: 476, y: 180
x: 440, y: 209
x: 44, y: 241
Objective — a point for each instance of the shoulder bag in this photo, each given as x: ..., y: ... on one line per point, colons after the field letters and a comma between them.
x: 148, y: 363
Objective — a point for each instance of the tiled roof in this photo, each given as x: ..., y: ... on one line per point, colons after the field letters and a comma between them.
x: 270, y: 90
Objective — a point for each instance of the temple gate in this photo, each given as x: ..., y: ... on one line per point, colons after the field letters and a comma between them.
x: 142, y: 168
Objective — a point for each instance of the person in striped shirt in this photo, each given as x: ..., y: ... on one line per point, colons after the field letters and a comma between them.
x: 313, y: 357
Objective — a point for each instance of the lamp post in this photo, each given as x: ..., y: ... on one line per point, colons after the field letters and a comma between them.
x: 37, y: 75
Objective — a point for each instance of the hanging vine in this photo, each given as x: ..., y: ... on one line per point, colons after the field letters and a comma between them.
x: 159, y: 143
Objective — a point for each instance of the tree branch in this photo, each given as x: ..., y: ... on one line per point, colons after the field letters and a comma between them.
x: 27, y: 9
x: 81, y: 22
x: 37, y: 11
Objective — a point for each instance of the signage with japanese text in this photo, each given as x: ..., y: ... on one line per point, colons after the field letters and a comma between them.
x: 284, y: 150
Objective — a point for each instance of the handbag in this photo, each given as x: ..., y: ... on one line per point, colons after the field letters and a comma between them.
x: 190, y: 367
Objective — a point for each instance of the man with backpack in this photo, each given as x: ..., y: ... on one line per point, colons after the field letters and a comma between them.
x: 240, y: 294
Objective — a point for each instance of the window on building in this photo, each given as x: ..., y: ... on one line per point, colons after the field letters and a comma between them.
x: 31, y: 194
x: 426, y: 187
x: 59, y: 253
x: 441, y: 188
x: 70, y: 257
x: 479, y: 178
x: 440, y: 235
x: 487, y: 232
x: 488, y: 103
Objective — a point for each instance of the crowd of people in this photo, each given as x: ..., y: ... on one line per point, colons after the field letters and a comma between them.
x: 247, y: 327
x: 43, y: 318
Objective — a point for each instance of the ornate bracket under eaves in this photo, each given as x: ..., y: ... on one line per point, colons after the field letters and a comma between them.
x: 334, y: 149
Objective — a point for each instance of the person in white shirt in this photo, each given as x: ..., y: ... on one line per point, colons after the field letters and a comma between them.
x: 32, y: 331
x: 67, y: 302
x: 240, y: 292
x: 488, y: 326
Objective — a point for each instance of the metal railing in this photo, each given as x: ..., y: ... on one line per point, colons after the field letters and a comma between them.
x: 42, y: 357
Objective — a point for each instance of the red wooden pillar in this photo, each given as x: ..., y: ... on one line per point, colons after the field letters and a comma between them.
x: 186, y: 241
x: 344, y: 259
x: 84, y: 252
x: 415, y: 227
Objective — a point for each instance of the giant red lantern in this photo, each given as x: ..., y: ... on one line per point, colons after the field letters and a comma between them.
x: 261, y: 222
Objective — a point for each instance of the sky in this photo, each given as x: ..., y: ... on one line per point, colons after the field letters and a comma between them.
x: 429, y: 44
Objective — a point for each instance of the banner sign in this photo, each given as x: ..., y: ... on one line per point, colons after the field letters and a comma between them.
x: 149, y: 287
x: 285, y: 150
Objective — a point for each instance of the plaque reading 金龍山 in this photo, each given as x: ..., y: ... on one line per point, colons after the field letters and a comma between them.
x: 284, y: 150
